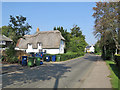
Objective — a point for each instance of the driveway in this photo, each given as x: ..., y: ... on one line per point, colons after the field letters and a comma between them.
x: 67, y: 74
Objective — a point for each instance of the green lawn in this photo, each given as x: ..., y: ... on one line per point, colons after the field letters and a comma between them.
x: 114, y: 74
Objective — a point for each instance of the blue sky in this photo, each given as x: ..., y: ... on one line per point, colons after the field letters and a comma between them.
x: 47, y: 15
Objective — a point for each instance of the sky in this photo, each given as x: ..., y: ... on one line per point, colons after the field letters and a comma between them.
x: 47, y: 15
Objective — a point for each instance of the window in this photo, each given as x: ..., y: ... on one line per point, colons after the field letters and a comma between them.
x: 29, y: 45
x: 40, y: 43
x: 45, y: 51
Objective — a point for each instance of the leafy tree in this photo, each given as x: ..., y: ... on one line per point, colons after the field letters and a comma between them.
x: 77, y: 44
x: 97, y: 47
x: 75, y: 31
x: 74, y: 41
x: 18, y: 28
x: 77, y: 41
x: 66, y: 35
x: 106, y: 25
x: 5, y: 30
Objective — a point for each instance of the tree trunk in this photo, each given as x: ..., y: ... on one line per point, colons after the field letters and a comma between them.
x: 119, y: 51
x: 105, y: 51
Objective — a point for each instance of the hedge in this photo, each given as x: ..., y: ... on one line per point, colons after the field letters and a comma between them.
x: 117, y: 59
x: 64, y: 57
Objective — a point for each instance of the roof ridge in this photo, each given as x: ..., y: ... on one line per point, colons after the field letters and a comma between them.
x: 42, y: 32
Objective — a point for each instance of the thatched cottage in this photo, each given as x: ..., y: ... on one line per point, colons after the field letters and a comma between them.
x: 51, y: 42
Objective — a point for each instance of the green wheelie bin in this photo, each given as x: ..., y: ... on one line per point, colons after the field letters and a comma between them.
x: 37, y: 61
x: 57, y: 57
x: 30, y: 61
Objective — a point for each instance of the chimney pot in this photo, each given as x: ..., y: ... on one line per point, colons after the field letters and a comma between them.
x: 38, y: 30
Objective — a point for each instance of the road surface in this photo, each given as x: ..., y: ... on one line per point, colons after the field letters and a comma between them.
x: 67, y: 74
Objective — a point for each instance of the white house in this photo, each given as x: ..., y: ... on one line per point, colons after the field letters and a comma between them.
x: 4, y: 42
x: 51, y: 42
x: 90, y: 49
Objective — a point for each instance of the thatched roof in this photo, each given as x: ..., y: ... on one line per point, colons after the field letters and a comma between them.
x: 49, y: 39
x: 4, y: 38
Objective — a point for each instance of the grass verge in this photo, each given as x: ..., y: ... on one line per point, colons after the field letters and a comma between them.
x: 114, y: 74
x: 98, y: 53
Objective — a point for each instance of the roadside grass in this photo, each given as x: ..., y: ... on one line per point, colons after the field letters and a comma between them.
x: 114, y: 74
x: 98, y: 53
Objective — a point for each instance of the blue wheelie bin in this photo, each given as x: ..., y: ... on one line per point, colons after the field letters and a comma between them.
x: 47, y: 58
x: 24, y: 60
x: 53, y: 58
x: 41, y: 55
x: 36, y: 55
x: 41, y: 62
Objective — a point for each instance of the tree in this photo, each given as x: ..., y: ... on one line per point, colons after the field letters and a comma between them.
x: 5, y: 30
x: 74, y: 40
x: 75, y: 31
x: 65, y: 34
x: 97, y: 47
x: 77, y: 44
x: 106, y: 24
x: 77, y: 41
x: 18, y: 28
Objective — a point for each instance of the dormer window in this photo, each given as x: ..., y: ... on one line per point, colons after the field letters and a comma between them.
x: 29, y: 45
x: 39, y: 43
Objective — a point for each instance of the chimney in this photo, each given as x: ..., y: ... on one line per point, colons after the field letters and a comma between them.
x: 38, y: 30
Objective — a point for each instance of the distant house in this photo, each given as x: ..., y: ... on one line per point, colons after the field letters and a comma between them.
x: 4, y: 42
x: 90, y: 49
x: 51, y: 42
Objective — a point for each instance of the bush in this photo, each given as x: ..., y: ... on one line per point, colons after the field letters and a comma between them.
x: 117, y: 59
x: 67, y: 56
x: 13, y: 59
x: 10, y: 55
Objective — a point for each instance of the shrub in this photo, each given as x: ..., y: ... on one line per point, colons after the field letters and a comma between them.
x: 67, y: 56
x: 117, y: 59
x: 13, y: 59
x: 10, y: 55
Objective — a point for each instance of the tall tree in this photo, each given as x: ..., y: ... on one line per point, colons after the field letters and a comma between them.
x: 75, y: 31
x: 106, y: 23
x: 5, y: 30
x: 65, y: 34
x: 77, y: 41
x: 18, y: 28
x: 77, y: 44
x: 97, y: 47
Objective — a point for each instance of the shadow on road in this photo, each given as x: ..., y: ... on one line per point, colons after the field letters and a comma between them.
x: 91, y: 57
x: 32, y: 75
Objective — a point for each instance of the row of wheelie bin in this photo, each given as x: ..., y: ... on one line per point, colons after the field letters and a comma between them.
x: 36, y: 59
x: 31, y: 61
x: 53, y: 58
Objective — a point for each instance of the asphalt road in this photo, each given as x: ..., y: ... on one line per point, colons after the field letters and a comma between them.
x: 68, y: 74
